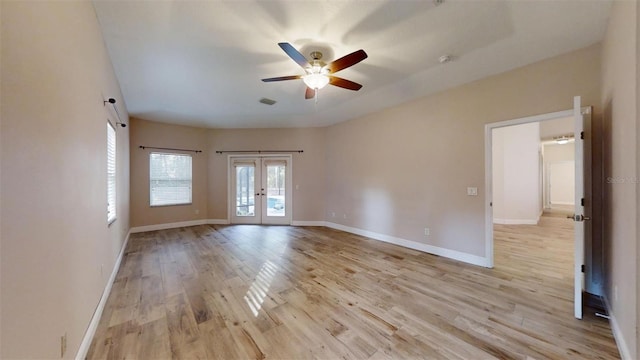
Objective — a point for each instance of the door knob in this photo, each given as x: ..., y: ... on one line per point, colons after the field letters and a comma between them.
x: 578, y: 217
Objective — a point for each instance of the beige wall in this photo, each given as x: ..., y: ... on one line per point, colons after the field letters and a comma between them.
x: 558, y: 153
x: 619, y: 101
x: 637, y: 101
x: 393, y: 172
x: 308, y: 167
x: 210, y: 170
x: 408, y: 167
x: 146, y: 133
x: 54, y: 237
x: 516, y: 174
x: 564, y: 188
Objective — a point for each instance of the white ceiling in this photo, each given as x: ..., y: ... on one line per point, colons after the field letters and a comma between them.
x: 200, y: 62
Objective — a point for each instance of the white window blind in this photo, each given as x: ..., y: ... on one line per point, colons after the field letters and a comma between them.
x: 170, y: 179
x: 111, y: 173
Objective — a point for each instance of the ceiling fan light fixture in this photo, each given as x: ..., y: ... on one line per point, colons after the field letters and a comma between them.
x: 319, y: 74
x: 315, y: 81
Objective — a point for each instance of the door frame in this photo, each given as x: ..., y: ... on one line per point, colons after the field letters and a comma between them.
x: 579, y: 248
x: 287, y: 220
x: 488, y: 170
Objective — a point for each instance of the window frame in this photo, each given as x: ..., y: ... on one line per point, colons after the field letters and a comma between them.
x: 112, y: 176
x: 190, y: 201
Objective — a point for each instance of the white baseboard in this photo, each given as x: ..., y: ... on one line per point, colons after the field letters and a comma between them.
x: 562, y: 203
x: 145, y: 228
x: 173, y: 225
x: 623, y: 348
x: 515, y: 221
x: 218, y: 222
x: 448, y: 253
x: 97, y: 314
x: 308, y: 223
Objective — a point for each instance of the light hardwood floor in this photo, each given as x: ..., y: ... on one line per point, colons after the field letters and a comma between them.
x: 245, y: 292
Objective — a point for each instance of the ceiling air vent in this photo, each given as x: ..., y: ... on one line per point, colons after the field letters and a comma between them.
x: 267, y: 101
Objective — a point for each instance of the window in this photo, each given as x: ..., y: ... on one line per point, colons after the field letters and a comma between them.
x: 111, y: 173
x: 169, y: 179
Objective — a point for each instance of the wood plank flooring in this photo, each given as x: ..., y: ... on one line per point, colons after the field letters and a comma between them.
x: 260, y: 292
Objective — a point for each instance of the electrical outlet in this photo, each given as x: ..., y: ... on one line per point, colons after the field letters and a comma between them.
x: 197, y: 211
x: 333, y: 214
x: 427, y: 231
x: 472, y: 191
x: 344, y: 216
x: 63, y: 345
x: 101, y: 269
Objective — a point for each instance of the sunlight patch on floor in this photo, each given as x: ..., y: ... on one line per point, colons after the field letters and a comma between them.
x: 260, y: 287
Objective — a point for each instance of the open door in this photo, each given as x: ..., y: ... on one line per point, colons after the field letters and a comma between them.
x: 582, y: 211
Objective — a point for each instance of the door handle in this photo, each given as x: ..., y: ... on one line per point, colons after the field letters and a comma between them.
x: 578, y: 217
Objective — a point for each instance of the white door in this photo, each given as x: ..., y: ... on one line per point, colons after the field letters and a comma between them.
x: 275, y: 191
x: 582, y: 211
x: 260, y: 190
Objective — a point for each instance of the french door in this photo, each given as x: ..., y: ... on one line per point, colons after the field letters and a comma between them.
x: 260, y: 190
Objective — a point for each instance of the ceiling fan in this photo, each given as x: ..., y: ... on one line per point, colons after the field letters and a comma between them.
x: 318, y: 73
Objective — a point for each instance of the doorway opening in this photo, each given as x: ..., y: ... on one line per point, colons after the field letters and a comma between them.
x: 260, y: 189
x: 529, y: 198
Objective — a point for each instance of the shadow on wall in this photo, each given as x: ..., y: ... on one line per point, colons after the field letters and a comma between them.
x: 606, y: 219
x: 595, y: 252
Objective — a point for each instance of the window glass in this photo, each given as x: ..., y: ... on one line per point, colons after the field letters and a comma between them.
x: 170, y: 179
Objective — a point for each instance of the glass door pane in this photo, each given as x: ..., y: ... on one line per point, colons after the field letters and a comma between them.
x: 244, y: 202
x: 275, y: 186
x: 245, y: 186
x: 276, y: 190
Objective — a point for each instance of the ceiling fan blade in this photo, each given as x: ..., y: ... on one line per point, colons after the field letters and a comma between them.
x: 310, y: 93
x: 294, y: 54
x: 281, y: 78
x: 346, y: 61
x: 344, y: 83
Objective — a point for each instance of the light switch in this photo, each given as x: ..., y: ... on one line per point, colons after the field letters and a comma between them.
x: 472, y: 191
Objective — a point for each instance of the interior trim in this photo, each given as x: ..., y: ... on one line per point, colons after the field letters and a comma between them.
x: 448, y: 253
x: 308, y: 223
x: 623, y: 348
x: 97, y: 314
x: 430, y: 249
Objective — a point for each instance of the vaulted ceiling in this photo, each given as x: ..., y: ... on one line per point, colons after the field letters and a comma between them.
x: 200, y: 62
